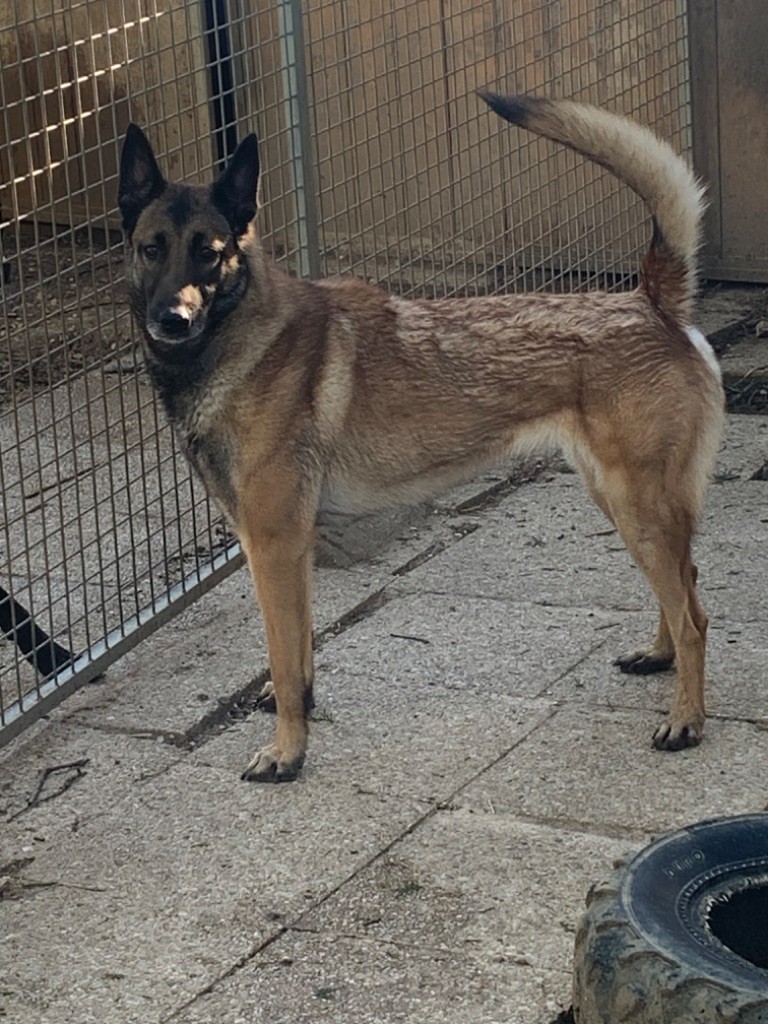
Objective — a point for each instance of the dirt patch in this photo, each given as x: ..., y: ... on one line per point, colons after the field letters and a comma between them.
x: 750, y: 316
x: 64, y: 309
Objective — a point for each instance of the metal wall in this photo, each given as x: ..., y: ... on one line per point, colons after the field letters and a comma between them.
x: 378, y: 160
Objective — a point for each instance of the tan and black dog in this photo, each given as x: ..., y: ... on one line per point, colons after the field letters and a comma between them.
x: 293, y: 396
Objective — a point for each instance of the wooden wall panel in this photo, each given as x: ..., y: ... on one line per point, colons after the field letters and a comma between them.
x: 38, y: 153
x: 415, y: 160
x: 730, y: 97
x: 409, y: 164
x: 72, y: 76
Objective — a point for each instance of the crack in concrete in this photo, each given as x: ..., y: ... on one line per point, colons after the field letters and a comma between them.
x: 579, y: 661
x: 403, y: 591
x: 180, y: 740
x: 294, y: 924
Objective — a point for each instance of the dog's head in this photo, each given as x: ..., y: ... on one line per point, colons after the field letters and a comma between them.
x: 188, y: 267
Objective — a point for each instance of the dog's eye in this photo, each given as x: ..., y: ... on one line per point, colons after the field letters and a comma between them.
x: 151, y: 252
x: 209, y: 255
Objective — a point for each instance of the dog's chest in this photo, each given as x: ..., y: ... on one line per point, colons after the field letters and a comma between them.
x: 212, y: 457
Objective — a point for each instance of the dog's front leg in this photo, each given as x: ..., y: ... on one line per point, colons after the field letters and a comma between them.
x: 280, y: 560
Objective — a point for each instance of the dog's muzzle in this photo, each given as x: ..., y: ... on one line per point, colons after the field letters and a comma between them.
x: 174, y: 336
x: 175, y: 326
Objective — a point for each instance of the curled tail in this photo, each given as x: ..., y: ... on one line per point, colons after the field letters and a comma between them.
x: 649, y: 166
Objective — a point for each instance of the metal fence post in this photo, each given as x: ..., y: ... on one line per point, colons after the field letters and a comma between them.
x: 297, y: 122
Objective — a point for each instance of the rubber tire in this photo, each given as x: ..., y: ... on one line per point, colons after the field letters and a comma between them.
x: 644, y: 953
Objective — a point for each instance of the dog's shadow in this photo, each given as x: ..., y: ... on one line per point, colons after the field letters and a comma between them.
x: 343, y: 540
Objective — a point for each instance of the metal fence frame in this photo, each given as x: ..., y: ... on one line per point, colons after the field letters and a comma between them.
x: 358, y: 103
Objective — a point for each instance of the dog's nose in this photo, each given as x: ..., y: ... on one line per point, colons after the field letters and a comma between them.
x: 173, y: 324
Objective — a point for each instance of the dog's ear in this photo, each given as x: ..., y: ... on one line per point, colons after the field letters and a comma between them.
x: 140, y: 177
x: 234, y: 193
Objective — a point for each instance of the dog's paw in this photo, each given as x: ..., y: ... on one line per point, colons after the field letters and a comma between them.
x: 268, y: 765
x: 678, y: 735
x: 643, y: 663
x: 265, y: 698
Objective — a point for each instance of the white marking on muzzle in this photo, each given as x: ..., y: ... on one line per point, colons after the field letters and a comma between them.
x: 188, y: 302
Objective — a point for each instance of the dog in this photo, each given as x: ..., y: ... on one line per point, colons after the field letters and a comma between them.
x: 290, y: 397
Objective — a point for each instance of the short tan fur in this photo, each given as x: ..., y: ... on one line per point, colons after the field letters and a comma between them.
x: 293, y: 396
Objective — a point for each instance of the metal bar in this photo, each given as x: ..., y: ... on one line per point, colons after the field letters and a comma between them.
x: 39, y: 649
x: 296, y: 102
x: 222, y: 83
x: 93, y: 662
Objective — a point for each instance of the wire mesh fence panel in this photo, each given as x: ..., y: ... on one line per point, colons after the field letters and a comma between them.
x: 378, y: 160
x: 103, y: 529
x: 424, y: 191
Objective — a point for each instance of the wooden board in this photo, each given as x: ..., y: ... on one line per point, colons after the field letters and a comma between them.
x: 730, y: 102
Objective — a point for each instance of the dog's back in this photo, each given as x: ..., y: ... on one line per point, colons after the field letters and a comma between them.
x: 592, y: 373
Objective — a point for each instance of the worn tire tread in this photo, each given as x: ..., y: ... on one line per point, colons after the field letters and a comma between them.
x: 619, y: 978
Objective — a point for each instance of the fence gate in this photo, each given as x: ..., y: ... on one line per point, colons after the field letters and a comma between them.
x: 379, y: 160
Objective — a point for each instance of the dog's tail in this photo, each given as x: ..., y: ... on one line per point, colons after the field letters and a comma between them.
x: 649, y: 166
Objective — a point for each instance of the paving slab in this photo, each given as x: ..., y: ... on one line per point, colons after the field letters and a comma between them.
x: 308, y: 978
x: 476, y: 880
x: 744, y: 446
x: 414, y: 747
x: 460, y: 644
x: 475, y: 764
x: 734, y: 528
x: 597, y: 772
x: 467, y: 894
x: 182, y: 870
x: 124, y: 760
x: 548, y: 544
x: 737, y: 656
x: 166, y: 684
x: 178, y: 884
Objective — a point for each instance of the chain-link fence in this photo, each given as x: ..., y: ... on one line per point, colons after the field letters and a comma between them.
x: 378, y: 159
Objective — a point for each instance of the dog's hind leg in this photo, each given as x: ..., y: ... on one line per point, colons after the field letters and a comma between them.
x: 661, y: 654
x: 658, y: 657
x: 657, y: 530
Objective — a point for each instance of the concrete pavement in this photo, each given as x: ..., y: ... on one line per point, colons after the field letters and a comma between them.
x: 475, y: 764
